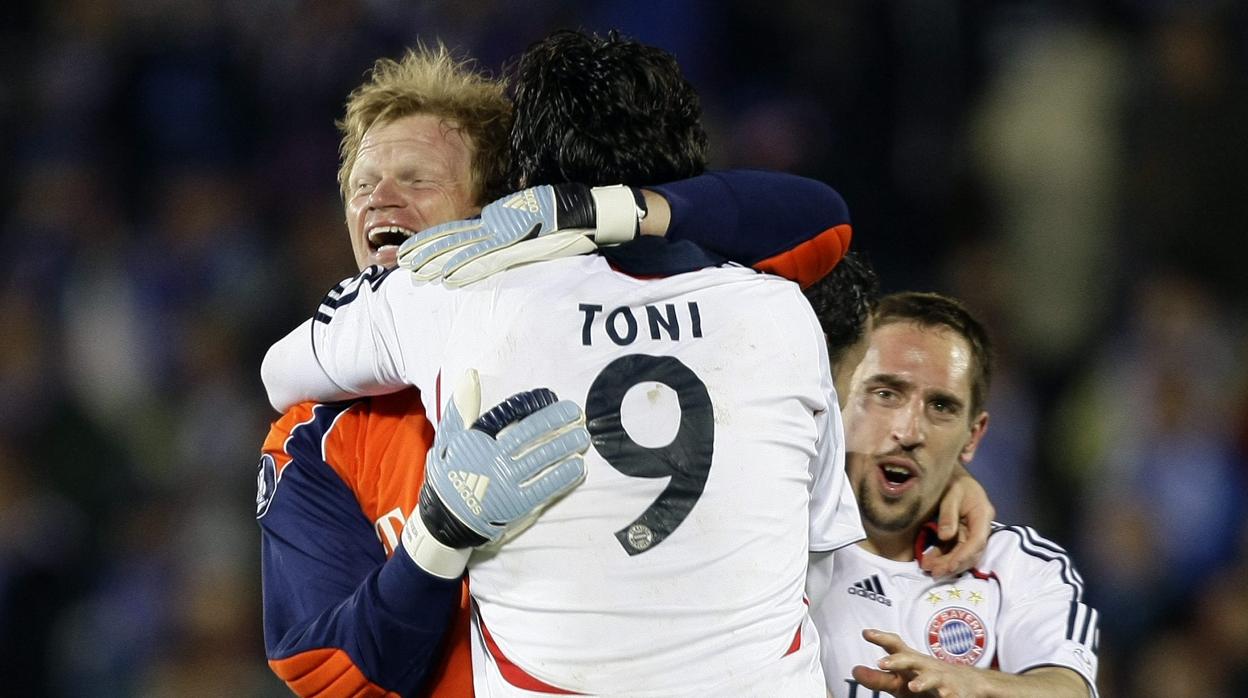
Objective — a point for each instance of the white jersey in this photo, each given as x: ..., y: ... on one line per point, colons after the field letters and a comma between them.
x: 1020, y: 609
x: 649, y: 578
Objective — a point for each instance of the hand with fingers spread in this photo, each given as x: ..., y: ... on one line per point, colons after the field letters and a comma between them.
x: 485, y: 476
x: 906, y: 672
x: 535, y: 224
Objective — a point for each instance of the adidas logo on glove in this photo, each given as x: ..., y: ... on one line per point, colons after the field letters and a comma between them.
x: 524, y: 201
x: 471, y: 487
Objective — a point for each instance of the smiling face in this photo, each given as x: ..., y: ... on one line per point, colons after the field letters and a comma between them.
x: 410, y: 174
x: 907, y: 424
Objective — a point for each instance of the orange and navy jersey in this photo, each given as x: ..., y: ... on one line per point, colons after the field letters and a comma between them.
x: 344, y: 615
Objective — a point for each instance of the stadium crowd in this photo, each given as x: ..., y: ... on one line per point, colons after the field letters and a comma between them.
x: 169, y: 209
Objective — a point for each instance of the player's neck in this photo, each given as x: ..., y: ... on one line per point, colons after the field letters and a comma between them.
x: 892, y: 545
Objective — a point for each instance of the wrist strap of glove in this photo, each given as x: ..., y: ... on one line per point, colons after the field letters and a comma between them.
x: 620, y: 210
x: 431, y: 555
x: 443, y: 525
x: 574, y: 207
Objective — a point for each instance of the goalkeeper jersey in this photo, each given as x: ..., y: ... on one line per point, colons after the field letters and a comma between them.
x: 678, y: 567
x: 1020, y: 609
x: 343, y: 615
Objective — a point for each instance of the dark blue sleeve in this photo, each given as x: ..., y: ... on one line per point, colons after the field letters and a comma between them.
x: 331, y: 596
x: 751, y: 215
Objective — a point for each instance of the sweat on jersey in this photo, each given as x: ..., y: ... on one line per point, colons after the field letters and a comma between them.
x: 678, y: 567
x: 1021, y: 608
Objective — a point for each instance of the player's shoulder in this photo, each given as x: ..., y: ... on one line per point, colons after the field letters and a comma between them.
x: 290, y: 421
x: 310, y: 422
x: 1021, y: 555
x: 1007, y: 538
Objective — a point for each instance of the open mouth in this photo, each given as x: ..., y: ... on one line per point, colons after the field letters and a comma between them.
x: 896, y: 477
x: 386, y: 235
x: 897, y: 474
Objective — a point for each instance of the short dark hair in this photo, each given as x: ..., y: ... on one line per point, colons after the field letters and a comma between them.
x: 936, y: 310
x: 603, y: 110
x: 843, y: 300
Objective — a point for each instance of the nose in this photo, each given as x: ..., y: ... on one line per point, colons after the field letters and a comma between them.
x: 386, y: 194
x: 908, y: 427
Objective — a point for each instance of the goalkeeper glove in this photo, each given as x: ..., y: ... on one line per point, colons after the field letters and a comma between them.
x: 539, y: 223
x: 487, y: 476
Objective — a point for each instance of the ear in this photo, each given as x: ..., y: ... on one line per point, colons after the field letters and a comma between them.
x: 979, y: 426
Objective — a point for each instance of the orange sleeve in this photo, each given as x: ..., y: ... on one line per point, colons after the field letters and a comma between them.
x: 811, y: 260
x: 325, y: 673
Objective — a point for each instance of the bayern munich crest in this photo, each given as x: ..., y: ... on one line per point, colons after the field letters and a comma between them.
x: 956, y: 635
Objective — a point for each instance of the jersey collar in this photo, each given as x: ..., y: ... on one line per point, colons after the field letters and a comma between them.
x: 651, y: 255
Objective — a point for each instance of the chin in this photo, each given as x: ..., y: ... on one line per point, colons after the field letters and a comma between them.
x: 888, y: 515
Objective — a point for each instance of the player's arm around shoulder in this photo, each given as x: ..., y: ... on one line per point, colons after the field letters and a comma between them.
x: 792, y: 226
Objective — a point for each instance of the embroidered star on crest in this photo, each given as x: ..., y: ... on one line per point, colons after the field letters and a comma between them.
x: 976, y: 598
x: 933, y: 598
x: 955, y: 593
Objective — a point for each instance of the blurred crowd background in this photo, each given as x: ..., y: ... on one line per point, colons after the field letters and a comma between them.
x: 1077, y: 172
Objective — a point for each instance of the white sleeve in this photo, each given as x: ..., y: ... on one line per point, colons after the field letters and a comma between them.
x: 292, y: 375
x: 1044, y: 621
x: 375, y: 333
x: 834, y: 519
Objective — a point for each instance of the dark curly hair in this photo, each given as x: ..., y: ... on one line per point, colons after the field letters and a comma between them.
x: 603, y: 110
x: 843, y: 300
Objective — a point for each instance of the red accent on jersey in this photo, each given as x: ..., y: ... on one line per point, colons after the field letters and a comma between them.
x: 513, y: 674
x: 811, y: 260
x: 979, y: 574
x: 797, y: 637
x: 928, y: 536
x: 797, y: 641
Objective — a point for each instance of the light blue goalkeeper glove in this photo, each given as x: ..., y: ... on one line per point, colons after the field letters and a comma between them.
x: 486, y: 475
x: 535, y: 224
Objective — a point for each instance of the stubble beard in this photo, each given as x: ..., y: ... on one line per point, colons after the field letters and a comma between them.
x: 874, y: 514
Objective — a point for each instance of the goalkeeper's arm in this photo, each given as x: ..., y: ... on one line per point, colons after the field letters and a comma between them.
x: 792, y: 226
x: 340, y: 619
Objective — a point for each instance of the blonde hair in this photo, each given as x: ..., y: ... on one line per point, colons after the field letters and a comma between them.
x: 432, y: 81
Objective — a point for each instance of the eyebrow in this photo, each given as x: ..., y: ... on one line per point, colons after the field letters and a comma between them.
x: 900, y: 384
x: 889, y: 380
